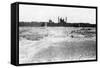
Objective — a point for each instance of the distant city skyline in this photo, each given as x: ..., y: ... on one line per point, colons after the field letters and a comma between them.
x: 29, y: 13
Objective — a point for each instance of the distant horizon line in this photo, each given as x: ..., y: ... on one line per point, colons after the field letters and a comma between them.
x: 56, y: 22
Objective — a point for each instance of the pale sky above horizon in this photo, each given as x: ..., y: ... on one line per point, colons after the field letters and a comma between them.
x: 38, y: 13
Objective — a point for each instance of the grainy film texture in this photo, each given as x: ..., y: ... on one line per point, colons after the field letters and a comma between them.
x: 55, y: 34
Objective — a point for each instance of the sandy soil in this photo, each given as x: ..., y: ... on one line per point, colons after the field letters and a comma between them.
x: 56, y: 44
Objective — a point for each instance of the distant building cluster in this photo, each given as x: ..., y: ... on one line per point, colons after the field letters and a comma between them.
x: 61, y: 22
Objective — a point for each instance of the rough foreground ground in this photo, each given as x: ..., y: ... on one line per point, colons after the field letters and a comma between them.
x: 39, y: 44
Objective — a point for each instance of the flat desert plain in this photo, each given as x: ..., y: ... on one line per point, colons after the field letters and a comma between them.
x: 54, y: 44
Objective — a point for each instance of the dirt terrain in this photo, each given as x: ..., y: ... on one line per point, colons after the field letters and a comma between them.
x: 51, y: 44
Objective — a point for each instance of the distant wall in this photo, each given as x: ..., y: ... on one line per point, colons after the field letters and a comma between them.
x: 41, y: 24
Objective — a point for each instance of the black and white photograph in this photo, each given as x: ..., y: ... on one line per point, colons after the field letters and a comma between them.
x: 56, y: 34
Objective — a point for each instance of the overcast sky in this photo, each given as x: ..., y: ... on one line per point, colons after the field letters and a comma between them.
x: 44, y: 13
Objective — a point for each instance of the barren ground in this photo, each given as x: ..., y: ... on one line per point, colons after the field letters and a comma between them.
x: 39, y: 44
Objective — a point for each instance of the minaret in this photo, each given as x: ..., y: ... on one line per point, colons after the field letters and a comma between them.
x: 58, y: 19
x: 66, y: 19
